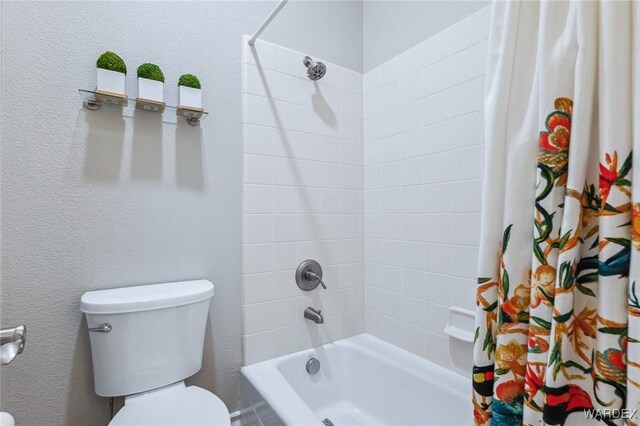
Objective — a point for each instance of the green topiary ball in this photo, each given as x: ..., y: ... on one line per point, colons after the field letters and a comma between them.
x: 151, y: 72
x: 189, y: 80
x: 112, y: 62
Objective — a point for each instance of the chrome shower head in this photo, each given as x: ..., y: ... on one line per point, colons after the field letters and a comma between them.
x: 315, y: 70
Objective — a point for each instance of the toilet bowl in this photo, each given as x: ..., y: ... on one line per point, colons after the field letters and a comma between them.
x: 172, y: 405
x: 145, y: 340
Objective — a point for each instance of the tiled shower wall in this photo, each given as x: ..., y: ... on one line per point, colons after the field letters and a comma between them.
x: 303, y: 198
x: 423, y: 172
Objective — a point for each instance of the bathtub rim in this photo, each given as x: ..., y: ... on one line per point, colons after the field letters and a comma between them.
x: 271, y: 384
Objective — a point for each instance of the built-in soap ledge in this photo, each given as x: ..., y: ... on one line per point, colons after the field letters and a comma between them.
x: 461, y: 324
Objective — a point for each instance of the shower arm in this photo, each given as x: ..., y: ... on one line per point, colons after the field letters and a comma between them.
x: 265, y: 24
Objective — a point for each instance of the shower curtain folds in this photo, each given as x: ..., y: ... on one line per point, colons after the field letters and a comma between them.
x: 558, y: 298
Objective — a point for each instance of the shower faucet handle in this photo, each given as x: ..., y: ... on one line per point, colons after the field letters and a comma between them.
x: 309, y: 275
x: 313, y: 276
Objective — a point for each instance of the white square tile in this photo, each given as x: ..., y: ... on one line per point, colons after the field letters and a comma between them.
x: 284, y: 87
x: 284, y: 312
x: 414, y: 339
x: 437, y: 350
x: 285, y: 227
x: 390, y: 226
x: 438, y: 258
x: 284, y: 61
x: 412, y: 171
x: 373, y: 299
x: 467, y: 130
x: 412, y: 115
x: 256, y: 258
x: 257, y: 347
x: 257, y: 317
x: 373, y: 324
x: 467, y: 97
x: 283, y: 256
x: 284, y: 115
x: 412, y: 199
x: 350, y: 226
x: 466, y: 196
x: 437, y: 107
x: 437, y: 137
x: 437, y: 168
x: 466, y: 163
x: 330, y: 226
x: 257, y: 81
x: 308, y: 146
x: 257, y: 169
x: 284, y: 171
x: 468, y: 63
x: 284, y: 143
x: 438, y: 288
x: 465, y: 259
x: 413, y: 255
x: 413, y: 227
x: 392, y: 252
x: 286, y: 340
x: 436, y: 77
x: 392, y: 305
x: 438, y: 198
x: 463, y: 293
x: 256, y: 288
x: 257, y: 140
x: 413, y: 283
x: 389, y: 97
x: 257, y: 110
x: 411, y: 87
x: 284, y: 199
x: 257, y: 199
x: 392, y: 330
x: 350, y: 104
x: 414, y: 312
x: 438, y: 227
x: 437, y: 316
x: 392, y: 278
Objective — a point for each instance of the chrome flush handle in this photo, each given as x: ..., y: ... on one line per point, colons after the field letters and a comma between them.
x: 104, y: 328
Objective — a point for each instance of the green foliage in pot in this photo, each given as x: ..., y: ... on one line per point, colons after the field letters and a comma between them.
x: 189, y: 80
x: 151, y: 72
x: 112, y: 62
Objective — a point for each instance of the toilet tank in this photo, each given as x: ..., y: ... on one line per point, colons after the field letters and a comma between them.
x: 155, y: 337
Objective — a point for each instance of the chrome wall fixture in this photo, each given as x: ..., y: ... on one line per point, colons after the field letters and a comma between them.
x: 309, y: 275
x: 12, y: 341
x: 315, y: 70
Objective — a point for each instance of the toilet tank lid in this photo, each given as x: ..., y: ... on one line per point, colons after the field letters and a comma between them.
x: 145, y: 297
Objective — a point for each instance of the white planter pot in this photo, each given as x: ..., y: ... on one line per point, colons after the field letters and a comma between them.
x: 111, y: 81
x: 150, y: 89
x: 188, y: 96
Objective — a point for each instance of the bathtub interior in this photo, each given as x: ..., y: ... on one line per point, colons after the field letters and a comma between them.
x: 357, y: 386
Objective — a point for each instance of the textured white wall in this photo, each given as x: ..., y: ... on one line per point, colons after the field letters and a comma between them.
x: 94, y: 200
x: 393, y: 26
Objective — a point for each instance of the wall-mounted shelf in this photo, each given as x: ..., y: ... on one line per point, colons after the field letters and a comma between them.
x: 95, y: 100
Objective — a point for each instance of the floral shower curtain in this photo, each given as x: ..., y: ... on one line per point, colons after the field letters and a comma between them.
x: 558, y: 315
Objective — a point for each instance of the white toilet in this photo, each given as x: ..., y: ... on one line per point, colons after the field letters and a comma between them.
x: 145, y: 341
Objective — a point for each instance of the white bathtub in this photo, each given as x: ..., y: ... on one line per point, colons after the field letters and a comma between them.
x: 362, y: 381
